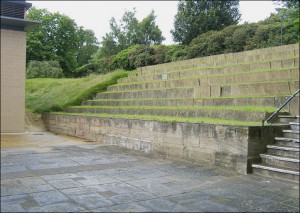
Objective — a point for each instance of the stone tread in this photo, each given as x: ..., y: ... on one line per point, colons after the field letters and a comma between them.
x: 295, y: 123
x: 237, y: 56
x: 287, y: 139
x: 291, y: 131
x: 289, y: 116
x: 277, y: 169
x: 163, y: 70
x: 277, y: 157
x: 286, y: 148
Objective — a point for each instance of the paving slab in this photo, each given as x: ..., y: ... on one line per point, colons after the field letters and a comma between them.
x: 45, y: 172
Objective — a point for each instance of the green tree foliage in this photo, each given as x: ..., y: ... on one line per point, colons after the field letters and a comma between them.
x: 129, y: 31
x: 44, y: 69
x: 87, y: 46
x: 59, y: 38
x: 194, y: 18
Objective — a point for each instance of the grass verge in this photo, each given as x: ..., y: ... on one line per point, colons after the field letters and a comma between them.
x: 49, y: 94
x: 167, y: 118
x: 231, y: 108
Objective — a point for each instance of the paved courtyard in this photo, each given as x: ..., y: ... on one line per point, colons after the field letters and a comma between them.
x: 43, y: 172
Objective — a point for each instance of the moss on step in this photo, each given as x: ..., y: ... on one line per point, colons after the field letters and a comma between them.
x: 167, y: 118
x: 230, y: 108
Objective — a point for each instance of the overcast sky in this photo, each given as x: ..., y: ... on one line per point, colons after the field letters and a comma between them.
x: 95, y: 15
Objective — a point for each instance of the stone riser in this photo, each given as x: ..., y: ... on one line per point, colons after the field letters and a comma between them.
x: 291, y: 135
x: 223, y: 59
x: 287, y: 143
x: 268, y: 101
x: 283, y: 153
x: 219, y: 114
x: 276, y: 175
x: 210, y: 70
x: 280, y: 163
x: 291, y: 118
x: 225, y: 145
x: 213, y: 80
x: 268, y: 88
x: 295, y: 127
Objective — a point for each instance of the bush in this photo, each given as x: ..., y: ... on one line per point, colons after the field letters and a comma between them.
x: 86, y: 70
x: 175, y: 52
x: 44, y: 69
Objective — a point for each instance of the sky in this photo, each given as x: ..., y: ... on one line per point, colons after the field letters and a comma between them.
x: 95, y: 15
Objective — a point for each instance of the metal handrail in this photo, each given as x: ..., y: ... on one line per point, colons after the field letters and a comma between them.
x: 283, y: 105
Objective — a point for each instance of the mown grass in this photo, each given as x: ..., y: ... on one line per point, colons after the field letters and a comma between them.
x: 230, y: 108
x: 49, y: 94
x: 167, y: 118
x: 188, y: 99
x: 178, y: 88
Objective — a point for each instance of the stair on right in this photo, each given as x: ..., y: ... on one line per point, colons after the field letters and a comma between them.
x: 282, y: 158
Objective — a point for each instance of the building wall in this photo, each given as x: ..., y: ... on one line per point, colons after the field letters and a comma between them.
x: 13, y: 62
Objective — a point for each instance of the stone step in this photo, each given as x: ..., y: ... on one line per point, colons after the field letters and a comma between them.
x: 280, y: 141
x: 284, y: 151
x: 279, y: 64
x: 285, y: 162
x: 229, y: 101
x: 291, y: 133
x: 289, y: 118
x: 228, y: 78
x: 223, y: 59
x: 295, y: 125
x: 276, y: 172
x: 260, y: 88
x: 217, y: 113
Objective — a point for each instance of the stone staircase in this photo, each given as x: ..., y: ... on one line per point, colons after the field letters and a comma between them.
x: 282, y: 159
x: 218, y: 87
x: 205, y: 109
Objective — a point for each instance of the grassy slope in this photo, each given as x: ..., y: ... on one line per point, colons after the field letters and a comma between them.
x: 48, y: 94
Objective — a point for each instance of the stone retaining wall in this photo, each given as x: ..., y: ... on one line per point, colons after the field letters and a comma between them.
x: 233, y: 147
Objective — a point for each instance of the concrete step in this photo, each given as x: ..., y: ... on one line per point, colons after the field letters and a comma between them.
x: 280, y: 141
x: 284, y: 151
x: 215, y: 112
x: 289, y: 118
x: 295, y: 125
x: 285, y: 162
x: 276, y: 172
x: 230, y: 101
x: 279, y: 64
x: 291, y: 133
x: 228, y: 78
x: 253, y: 89
x: 223, y: 59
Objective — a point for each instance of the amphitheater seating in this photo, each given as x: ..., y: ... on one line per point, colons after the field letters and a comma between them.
x: 207, y: 109
x: 220, y: 87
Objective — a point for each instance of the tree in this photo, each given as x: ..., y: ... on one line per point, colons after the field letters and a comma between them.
x: 88, y: 45
x: 129, y: 32
x: 58, y: 38
x: 194, y: 18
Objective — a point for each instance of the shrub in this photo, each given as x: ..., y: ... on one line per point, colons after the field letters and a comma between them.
x: 44, y: 69
x: 175, y: 52
x: 86, y: 70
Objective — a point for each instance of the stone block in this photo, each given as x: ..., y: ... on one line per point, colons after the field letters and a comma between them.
x: 288, y: 63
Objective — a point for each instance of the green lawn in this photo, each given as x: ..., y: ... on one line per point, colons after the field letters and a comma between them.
x: 50, y: 94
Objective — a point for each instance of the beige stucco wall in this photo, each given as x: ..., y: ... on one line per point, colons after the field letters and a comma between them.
x: 13, y: 59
